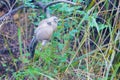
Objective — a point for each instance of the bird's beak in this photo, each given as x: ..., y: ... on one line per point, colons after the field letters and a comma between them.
x: 57, y: 20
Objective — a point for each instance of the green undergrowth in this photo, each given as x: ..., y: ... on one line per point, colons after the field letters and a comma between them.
x: 82, y: 47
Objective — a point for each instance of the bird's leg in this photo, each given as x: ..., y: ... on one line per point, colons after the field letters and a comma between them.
x: 43, y: 44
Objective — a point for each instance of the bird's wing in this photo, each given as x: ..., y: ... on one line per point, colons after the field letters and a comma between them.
x: 40, y: 27
x: 44, y: 33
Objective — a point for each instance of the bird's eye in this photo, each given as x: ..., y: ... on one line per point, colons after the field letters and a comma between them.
x: 49, y: 23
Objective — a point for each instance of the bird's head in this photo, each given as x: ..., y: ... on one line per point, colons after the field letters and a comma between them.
x: 54, y: 19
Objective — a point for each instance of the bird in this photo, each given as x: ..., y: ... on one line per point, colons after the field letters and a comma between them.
x: 43, y: 33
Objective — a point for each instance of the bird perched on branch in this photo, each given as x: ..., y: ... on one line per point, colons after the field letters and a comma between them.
x: 43, y: 33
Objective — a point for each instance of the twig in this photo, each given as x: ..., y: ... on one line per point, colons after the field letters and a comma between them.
x: 55, y: 2
x: 40, y: 4
x: 59, y: 1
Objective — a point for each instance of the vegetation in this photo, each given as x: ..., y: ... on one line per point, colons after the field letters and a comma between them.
x: 86, y: 45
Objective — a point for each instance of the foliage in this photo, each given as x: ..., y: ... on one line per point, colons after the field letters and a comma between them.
x: 81, y: 48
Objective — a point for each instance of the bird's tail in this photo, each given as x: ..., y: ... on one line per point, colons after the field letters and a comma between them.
x: 32, y: 46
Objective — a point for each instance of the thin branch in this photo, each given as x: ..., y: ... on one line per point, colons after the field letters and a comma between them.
x: 11, y: 12
x: 59, y: 1
x: 55, y: 2
x: 18, y: 8
x: 6, y: 4
x: 40, y: 4
x: 13, y: 5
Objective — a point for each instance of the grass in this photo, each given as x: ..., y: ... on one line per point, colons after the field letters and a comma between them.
x: 81, y: 48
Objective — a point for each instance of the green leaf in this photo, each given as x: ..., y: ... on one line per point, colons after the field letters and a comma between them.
x: 102, y: 26
x: 73, y: 32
